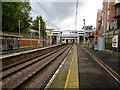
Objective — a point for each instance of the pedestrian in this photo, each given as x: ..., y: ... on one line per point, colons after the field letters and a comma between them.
x: 93, y: 46
x: 10, y: 46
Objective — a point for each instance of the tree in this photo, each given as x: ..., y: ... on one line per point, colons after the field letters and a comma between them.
x: 12, y: 12
x: 42, y: 26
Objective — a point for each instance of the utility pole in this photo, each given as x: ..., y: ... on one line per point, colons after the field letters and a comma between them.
x: 19, y: 45
x: 108, y: 26
x: 84, y: 31
x: 19, y: 27
x: 104, y: 27
x: 39, y: 32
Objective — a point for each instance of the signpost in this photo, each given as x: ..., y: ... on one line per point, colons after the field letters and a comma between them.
x: 115, y: 41
x: 115, y: 44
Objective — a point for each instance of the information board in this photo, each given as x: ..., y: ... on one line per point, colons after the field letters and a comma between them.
x: 115, y: 41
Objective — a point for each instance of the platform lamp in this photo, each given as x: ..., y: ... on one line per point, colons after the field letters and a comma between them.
x: 84, y: 31
x: 19, y: 26
x: 19, y: 33
x: 39, y: 31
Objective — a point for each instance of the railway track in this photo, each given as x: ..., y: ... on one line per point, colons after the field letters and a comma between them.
x: 24, y: 56
x: 24, y: 63
x: 21, y: 74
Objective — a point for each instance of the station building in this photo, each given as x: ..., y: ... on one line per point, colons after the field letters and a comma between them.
x: 108, y: 23
x: 66, y: 36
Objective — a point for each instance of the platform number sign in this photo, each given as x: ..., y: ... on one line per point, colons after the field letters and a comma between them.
x: 115, y: 41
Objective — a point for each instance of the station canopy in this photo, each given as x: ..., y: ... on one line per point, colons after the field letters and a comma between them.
x: 93, y: 36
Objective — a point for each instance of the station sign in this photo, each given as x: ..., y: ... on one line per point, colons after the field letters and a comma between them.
x: 115, y: 41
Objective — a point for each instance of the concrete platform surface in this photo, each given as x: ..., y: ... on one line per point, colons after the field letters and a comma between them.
x: 67, y: 77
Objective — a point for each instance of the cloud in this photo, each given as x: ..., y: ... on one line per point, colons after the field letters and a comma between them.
x: 56, y: 12
x: 63, y: 10
x: 62, y: 14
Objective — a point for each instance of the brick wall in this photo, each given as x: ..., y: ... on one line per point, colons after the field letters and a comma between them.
x: 112, y: 11
x: 28, y: 42
x: 99, y: 18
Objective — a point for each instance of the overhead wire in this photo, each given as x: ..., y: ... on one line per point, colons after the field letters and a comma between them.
x: 43, y: 18
x: 34, y: 12
x: 46, y: 11
x: 53, y: 17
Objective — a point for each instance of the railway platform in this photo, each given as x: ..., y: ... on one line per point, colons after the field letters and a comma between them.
x: 23, y: 51
x: 98, y: 70
x: 81, y: 70
x: 109, y: 59
x: 67, y: 74
x: 77, y: 68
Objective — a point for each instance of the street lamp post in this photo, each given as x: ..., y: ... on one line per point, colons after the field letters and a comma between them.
x: 84, y: 31
x: 39, y: 31
x: 19, y: 27
x: 19, y: 45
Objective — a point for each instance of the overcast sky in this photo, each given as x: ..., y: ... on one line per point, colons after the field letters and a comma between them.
x: 62, y: 14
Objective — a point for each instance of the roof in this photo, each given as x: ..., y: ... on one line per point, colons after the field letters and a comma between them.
x: 12, y: 36
x: 31, y: 30
x: 93, y: 36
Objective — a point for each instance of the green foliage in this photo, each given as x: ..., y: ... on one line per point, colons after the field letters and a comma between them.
x: 35, y: 26
x: 12, y: 12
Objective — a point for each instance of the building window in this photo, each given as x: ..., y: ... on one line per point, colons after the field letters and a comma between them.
x: 117, y: 11
x: 118, y: 23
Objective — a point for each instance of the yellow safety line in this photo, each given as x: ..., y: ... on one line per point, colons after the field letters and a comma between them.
x: 68, y: 75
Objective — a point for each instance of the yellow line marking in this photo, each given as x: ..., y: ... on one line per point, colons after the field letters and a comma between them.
x: 50, y: 82
x: 68, y: 75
